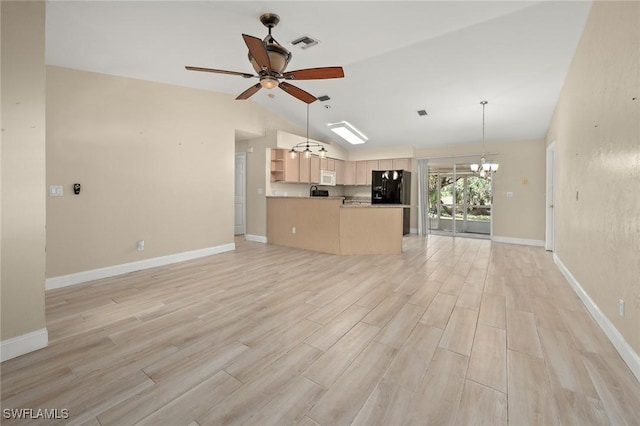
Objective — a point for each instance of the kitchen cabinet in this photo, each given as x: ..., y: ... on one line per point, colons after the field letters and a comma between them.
x: 314, y: 169
x: 386, y: 165
x: 349, y: 173
x: 328, y: 164
x: 283, y: 167
x: 305, y: 169
x: 340, y: 171
x: 361, y: 173
x: 401, y: 164
x: 371, y: 166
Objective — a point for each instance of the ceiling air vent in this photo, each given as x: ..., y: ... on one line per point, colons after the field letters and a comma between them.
x: 422, y: 112
x: 323, y: 98
x: 305, y: 42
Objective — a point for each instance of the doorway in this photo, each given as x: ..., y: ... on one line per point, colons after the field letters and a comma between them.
x: 458, y: 201
x: 240, y: 198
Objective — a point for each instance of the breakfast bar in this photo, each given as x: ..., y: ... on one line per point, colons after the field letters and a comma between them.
x: 327, y: 225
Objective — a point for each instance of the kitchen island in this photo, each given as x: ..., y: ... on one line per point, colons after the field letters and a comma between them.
x: 326, y: 225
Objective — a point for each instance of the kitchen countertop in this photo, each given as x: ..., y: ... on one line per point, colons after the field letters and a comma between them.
x: 375, y: 206
x: 305, y: 197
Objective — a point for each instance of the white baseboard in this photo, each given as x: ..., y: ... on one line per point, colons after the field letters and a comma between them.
x: 622, y: 346
x: 23, y: 344
x: 112, y: 271
x: 521, y: 241
x: 256, y: 238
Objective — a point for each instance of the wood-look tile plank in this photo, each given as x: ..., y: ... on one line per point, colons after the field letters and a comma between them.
x: 331, y: 332
x: 387, y: 405
x: 438, y: 397
x: 481, y: 405
x: 383, y: 312
x: 239, y: 406
x: 470, y: 297
x: 439, y: 311
x: 452, y: 284
x: 194, y: 402
x: 460, y: 330
x: 564, y: 362
x: 618, y: 390
x: 398, y: 329
x: 289, y: 405
x: 530, y: 399
x: 414, y: 357
x: 334, y: 361
x: 425, y: 294
x: 345, y: 398
x: 493, y: 311
x: 522, y: 334
x: 488, y: 362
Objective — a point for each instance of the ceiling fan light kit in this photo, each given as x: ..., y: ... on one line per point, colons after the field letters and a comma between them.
x: 269, y: 60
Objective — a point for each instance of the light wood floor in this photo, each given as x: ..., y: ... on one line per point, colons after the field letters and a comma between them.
x: 450, y: 332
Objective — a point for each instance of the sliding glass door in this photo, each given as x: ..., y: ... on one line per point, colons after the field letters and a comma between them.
x: 458, y: 201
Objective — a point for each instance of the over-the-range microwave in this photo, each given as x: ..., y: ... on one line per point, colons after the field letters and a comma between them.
x: 328, y: 177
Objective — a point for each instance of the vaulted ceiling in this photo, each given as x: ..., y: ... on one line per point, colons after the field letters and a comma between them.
x: 443, y: 57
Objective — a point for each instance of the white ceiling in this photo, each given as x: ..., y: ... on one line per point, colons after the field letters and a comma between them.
x: 398, y: 57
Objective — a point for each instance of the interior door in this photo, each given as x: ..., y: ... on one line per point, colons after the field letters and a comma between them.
x: 549, y: 238
x: 240, y: 193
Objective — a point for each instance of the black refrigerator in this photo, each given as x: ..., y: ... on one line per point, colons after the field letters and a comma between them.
x: 392, y: 187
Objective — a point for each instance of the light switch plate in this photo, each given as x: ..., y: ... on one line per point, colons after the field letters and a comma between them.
x: 509, y: 194
x: 55, y: 191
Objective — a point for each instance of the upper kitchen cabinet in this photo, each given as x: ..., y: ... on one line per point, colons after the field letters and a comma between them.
x: 371, y: 166
x: 328, y: 164
x: 385, y: 165
x: 340, y: 172
x: 349, y: 173
x: 283, y: 167
x: 401, y: 164
x: 314, y: 169
x: 361, y: 173
x: 309, y: 169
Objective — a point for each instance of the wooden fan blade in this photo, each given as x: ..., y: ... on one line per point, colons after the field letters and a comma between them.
x: 242, y: 74
x: 314, y: 73
x: 250, y: 91
x: 258, y: 51
x: 297, y: 92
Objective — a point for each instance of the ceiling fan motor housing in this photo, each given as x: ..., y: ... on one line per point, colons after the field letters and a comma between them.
x: 278, y: 56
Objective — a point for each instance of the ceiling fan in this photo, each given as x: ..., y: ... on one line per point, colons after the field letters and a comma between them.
x: 269, y: 59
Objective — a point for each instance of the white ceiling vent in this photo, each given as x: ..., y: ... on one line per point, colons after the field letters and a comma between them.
x: 305, y: 42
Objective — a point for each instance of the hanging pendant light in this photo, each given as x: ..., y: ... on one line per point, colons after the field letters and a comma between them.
x: 484, y: 168
x: 306, y: 152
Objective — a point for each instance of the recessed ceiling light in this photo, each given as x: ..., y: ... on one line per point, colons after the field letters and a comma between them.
x: 348, y: 132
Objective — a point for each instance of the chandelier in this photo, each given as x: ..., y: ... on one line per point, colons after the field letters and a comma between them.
x: 306, y: 152
x: 484, y: 168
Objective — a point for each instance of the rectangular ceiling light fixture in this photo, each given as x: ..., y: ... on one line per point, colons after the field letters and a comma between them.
x: 347, y: 132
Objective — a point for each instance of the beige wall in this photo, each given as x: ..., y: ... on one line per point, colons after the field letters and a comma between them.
x: 156, y: 163
x: 597, y: 133
x: 522, y: 172
x: 23, y: 168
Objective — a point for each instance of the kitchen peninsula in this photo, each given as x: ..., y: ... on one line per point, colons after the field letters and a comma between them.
x: 327, y: 225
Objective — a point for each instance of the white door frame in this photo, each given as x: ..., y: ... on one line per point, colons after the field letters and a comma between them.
x: 243, y: 157
x: 550, y: 207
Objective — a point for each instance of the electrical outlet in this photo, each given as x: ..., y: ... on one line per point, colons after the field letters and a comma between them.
x: 621, y: 307
x: 293, y: 230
